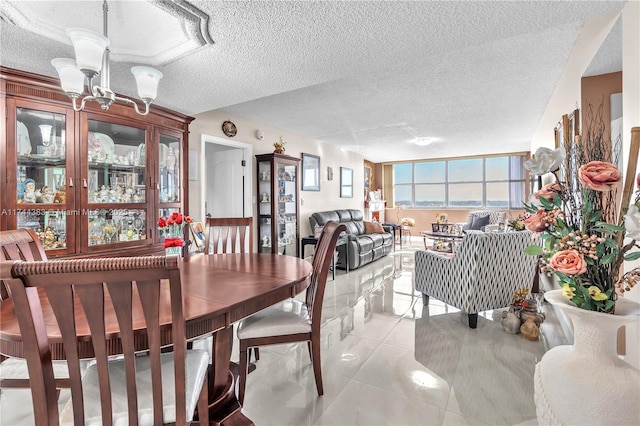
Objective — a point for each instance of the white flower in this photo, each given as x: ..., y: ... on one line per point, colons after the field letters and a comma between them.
x: 632, y: 222
x: 546, y: 160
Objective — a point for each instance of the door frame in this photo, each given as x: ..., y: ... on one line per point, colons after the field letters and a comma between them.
x: 248, y: 176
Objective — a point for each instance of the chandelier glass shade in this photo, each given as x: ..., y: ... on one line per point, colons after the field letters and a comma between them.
x: 92, y: 59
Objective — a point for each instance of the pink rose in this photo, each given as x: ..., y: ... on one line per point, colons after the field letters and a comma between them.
x: 569, y: 262
x: 638, y: 181
x: 599, y: 176
x: 548, y: 191
x: 537, y: 222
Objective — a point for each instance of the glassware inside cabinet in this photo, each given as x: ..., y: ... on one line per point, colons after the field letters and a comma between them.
x: 287, y: 209
x: 109, y: 226
x: 49, y: 225
x: 41, y: 164
x: 264, y: 191
x: 117, y: 163
x: 169, y: 161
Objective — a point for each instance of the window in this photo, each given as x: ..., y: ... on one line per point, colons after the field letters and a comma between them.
x: 489, y: 182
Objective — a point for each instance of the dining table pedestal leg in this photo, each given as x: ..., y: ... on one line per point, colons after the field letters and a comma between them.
x: 224, y: 408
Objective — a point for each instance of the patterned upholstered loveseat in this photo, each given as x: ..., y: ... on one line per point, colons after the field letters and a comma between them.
x: 495, y: 218
x: 362, y: 247
x: 483, y: 273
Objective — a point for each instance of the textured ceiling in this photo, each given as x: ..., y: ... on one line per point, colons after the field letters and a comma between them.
x: 369, y: 76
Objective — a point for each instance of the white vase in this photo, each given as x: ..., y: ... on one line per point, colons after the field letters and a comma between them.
x: 587, y: 383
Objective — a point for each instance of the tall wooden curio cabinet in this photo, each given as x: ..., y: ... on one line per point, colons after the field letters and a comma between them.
x: 278, y: 211
x: 90, y: 183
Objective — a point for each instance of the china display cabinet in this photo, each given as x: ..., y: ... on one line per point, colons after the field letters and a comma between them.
x: 278, y: 217
x: 92, y: 182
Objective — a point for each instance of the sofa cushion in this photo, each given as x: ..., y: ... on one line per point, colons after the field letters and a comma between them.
x: 479, y: 222
x: 378, y: 240
x: 373, y: 228
x: 366, y: 243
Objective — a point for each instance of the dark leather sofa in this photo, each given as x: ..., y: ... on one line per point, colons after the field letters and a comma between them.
x: 362, y: 248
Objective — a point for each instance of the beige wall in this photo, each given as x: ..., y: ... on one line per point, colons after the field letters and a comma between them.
x: 328, y: 198
x: 424, y: 218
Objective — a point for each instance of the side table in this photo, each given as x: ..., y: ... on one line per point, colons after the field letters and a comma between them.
x: 395, y: 229
x: 311, y: 240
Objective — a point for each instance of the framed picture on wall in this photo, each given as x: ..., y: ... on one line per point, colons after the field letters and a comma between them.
x: 367, y: 177
x: 310, y: 172
x: 346, y: 182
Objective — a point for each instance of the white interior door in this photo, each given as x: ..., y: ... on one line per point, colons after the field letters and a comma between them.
x: 225, y: 182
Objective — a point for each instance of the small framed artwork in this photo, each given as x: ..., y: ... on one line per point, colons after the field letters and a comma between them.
x: 329, y: 173
x: 441, y: 217
x: 310, y: 172
x: 197, y: 232
x: 346, y: 182
x: 367, y: 177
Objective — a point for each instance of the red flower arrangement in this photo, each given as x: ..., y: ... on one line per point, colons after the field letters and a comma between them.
x: 172, y: 228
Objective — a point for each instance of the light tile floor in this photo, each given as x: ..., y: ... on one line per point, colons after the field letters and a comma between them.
x: 387, y: 360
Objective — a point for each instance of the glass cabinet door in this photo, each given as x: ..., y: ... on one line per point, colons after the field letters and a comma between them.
x: 287, y: 208
x: 168, y: 159
x: 40, y: 198
x: 277, y: 204
x: 265, y: 214
x: 169, y: 176
x: 115, y: 159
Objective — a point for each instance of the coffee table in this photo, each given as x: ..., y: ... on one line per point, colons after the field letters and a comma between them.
x: 442, y: 242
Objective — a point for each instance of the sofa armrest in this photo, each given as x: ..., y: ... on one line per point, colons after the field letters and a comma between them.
x: 435, y: 274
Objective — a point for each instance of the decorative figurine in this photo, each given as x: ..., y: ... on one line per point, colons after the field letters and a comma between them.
x: 510, y: 322
x: 29, y: 191
x: 279, y: 146
x: 530, y: 330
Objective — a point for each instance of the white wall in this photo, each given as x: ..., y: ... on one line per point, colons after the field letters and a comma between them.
x: 328, y: 198
x: 566, y: 95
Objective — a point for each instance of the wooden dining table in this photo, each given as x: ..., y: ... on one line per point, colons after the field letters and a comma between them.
x: 218, y: 290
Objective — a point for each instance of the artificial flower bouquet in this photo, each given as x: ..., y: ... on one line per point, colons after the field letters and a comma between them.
x: 173, y: 229
x: 408, y: 221
x: 517, y: 224
x: 582, y: 240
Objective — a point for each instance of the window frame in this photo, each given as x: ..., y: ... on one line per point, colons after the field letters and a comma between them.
x: 523, y: 181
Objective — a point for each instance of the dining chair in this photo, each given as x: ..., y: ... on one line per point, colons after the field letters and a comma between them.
x: 23, y: 244
x: 228, y: 235
x: 78, y: 295
x: 293, y: 320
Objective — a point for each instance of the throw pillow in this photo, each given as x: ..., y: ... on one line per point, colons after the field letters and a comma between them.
x: 479, y: 222
x: 373, y: 228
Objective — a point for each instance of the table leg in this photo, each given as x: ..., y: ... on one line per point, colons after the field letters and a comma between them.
x: 224, y: 407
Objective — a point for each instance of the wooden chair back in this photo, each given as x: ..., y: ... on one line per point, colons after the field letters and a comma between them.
x: 19, y: 244
x: 228, y: 235
x: 88, y: 290
x: 321, y: 262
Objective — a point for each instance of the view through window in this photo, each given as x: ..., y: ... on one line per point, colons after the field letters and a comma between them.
x: 488, y: 182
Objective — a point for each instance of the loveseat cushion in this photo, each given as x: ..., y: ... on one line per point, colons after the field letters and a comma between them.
x: 366, y: 243
x: 479, y: 222
x: 373, y: 228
